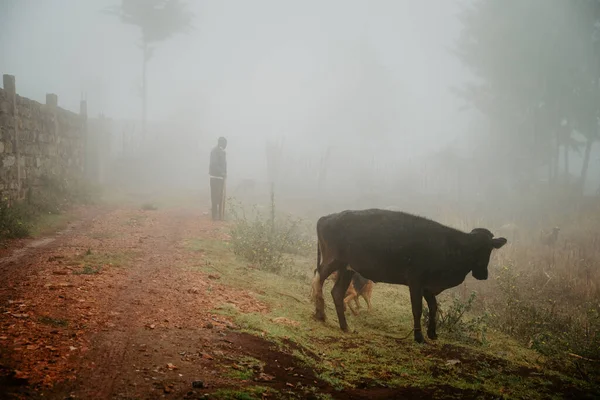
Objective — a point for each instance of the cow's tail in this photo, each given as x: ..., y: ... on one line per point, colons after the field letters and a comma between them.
x: 315, y: 287
x: 318, y: 257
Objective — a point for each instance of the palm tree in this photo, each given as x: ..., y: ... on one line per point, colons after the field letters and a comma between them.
x: 158, y: 20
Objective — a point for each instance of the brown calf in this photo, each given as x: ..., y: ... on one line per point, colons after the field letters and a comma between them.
x: 359, y: 286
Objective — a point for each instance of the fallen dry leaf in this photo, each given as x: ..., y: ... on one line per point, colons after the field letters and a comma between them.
x: 262, y: 377
x: 21, y: 375
x: 285, y: 321
x: 171, y: 366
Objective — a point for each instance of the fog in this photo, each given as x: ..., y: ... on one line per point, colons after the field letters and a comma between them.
x: 369, y: 82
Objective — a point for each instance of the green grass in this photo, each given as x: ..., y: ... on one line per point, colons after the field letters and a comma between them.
x: 105, y: 235
x: 88, y: 270
x: 250, y: 393
x: 376, y: 352
x: 245, y: 368
x: 195, y: 245
x: 45, y: 208
x: 92, y: 262
x: 258, y: 392
x: 47, y: 224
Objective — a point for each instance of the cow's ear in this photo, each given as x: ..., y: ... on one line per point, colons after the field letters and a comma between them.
x: 498, y: 242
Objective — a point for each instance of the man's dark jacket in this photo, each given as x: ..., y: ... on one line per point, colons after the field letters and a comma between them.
x: 218, y: 163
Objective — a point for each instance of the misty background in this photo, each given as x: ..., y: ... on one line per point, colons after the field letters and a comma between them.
x: 389, y: 103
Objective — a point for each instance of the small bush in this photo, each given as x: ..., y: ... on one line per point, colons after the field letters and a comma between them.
x: 149, y: 207
x: 54, y: 195
x: 51, y: 196
x: 15, y: 220
x: 539, y: 320
x: 457, y: 319
x: 265, y: 242
x: 88, y: 270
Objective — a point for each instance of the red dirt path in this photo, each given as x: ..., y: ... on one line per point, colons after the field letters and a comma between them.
x: 113, y: 333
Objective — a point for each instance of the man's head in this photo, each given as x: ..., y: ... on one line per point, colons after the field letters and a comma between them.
x: 222, y: 142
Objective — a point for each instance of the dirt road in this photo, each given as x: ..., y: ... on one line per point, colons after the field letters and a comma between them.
x: 110, y: 308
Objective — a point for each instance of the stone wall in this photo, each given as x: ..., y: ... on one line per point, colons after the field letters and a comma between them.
x: 36, y: 140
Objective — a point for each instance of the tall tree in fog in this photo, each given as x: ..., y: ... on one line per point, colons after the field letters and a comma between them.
x: 157, y: 20
x: 537, y: 76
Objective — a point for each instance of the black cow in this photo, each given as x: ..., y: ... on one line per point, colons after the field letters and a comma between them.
x: 400, y: 248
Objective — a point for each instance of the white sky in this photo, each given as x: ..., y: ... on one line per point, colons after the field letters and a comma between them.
x: 264, y: 65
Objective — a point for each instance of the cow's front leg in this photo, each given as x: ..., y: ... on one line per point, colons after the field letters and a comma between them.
x: 416, y: 300
x: 338, y: 292
x: 432, y: 305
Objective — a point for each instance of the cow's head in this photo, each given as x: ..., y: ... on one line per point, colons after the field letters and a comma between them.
x: 484, y: 242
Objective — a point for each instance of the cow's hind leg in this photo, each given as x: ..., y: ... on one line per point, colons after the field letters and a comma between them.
x: 338, y: 292
x: 432, y: 305
x: 317, y: 293
x: 321, y: 274
x: 416, y: 300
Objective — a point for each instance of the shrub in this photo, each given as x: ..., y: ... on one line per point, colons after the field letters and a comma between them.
x: 543, y: 319
x: 457, y: 320
x: 266, y: 242
x: 54, y: 195
x: 15, y: 220
x: 51, y: 196
x: 149, y: 207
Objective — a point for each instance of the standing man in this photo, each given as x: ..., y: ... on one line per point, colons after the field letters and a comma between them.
x: 218, y: 172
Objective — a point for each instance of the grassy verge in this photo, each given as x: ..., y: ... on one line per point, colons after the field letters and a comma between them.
x: 92, y: 262
x: 256, y: 392
x: 45, y: 209
x: 49, y: 223
x: 376, y: 354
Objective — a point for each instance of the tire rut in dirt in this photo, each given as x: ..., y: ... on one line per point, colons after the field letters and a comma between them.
x: 105, y: 363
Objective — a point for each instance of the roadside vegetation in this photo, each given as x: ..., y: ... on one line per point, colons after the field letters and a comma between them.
x: 44, y: 207
x: 515, y: 335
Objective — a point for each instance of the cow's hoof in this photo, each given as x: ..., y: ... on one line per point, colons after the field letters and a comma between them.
x: 419, y: 337
x: 319, y: 316
x: 432, y: 335
x: 345, y: 330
